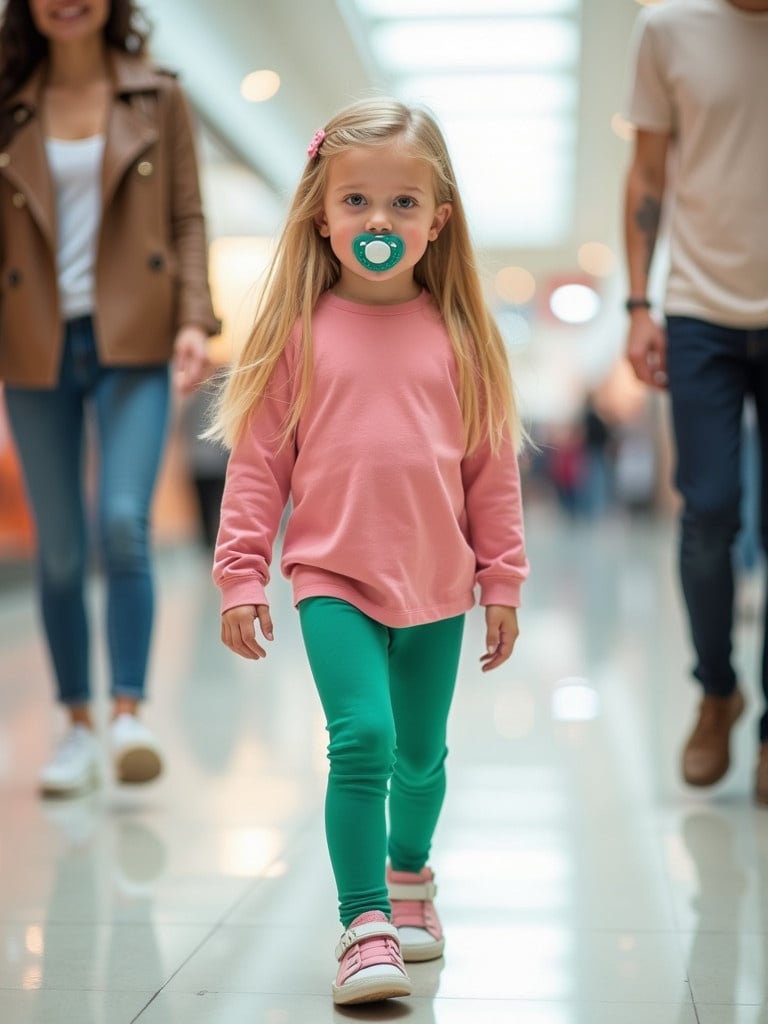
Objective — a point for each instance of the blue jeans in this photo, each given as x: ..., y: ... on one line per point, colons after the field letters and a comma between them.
x: 712, y: 369
x: 130, y: 412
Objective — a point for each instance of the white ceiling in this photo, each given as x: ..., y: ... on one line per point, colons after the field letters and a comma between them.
x: 325, y: 54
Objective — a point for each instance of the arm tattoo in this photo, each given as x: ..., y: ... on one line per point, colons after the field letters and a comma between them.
x: 647, y: 218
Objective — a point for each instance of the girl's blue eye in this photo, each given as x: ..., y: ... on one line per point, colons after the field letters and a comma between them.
x: 355, y: 200
x: 405, y: 202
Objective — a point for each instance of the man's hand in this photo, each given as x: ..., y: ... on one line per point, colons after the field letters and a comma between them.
x: 501, y: 631
x: 647, y: 350
x: 238, y: 632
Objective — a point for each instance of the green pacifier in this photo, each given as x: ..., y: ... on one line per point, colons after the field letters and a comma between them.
x: 378, y: 252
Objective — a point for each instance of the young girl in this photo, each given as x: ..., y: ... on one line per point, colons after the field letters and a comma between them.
x: 374, y: 392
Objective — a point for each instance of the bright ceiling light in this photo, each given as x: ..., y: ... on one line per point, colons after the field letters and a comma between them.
x: 503, y: 94
x: 575, y: 700
x: 537, y: 137
x: 470, y: 45
x: 450, y: 8
x: 515, y: 285
x: 622, y: 127
x: 596, y: 258
x: 516, y: 181
x: 501, y: 76
x: 260, y: 86
x: 534, y: 215
x: 574, y: 303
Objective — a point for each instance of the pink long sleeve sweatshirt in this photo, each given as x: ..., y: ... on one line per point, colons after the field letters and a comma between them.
x: 387, y: 511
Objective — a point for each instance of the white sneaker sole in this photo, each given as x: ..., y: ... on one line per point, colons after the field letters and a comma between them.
x: 370, y: 990
x: 70, y: 789
x: 419, y: 952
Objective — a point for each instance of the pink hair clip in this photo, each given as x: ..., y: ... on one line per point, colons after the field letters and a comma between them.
x: 317, y: 140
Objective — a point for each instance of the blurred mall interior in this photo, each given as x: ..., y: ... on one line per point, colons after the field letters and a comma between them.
x: 581, y: 881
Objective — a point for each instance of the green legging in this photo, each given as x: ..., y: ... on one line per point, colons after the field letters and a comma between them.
x: 386, y: 694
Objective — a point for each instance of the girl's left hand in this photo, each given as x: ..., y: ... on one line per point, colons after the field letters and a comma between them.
x: 191, y: 364
x: 501, y: 631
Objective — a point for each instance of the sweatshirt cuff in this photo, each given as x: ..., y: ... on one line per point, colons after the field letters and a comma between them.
x: 505, y: 592
x: 242, y: 591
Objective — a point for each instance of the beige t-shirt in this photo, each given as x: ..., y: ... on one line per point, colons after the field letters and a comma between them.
x: 701, y: 74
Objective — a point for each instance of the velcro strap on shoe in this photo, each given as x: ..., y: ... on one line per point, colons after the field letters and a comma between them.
x: 417, y: 891
x: 363, y: 931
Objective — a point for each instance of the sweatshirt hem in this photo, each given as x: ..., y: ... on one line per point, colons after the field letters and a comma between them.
x: 395, y: 618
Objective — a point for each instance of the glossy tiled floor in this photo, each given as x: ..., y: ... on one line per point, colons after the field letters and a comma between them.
x: 580, y: 882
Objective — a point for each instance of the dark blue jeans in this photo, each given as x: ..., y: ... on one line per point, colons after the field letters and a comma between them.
x: 130, y: 413
x: 712, y: 369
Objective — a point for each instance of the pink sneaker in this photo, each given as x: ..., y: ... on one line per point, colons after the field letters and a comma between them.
x: 370, y: 963
x: 414, y: 914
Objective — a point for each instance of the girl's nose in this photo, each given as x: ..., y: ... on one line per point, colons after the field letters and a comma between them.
x: 379, y: 221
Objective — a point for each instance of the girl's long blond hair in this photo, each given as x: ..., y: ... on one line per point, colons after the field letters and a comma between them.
x: 304, y: 266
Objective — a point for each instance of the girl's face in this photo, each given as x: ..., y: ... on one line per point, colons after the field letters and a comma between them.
x: 67, y: 21
x: 380, y: 190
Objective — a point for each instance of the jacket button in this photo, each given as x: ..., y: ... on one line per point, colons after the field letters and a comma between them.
x: 145, y: 168
x: 21, y: 115
x: 14, y: 278
x: 156, y: 261
x: 5, y: 159
x: 19, y: 200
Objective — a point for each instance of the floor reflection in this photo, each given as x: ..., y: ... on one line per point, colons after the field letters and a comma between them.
x: 580, y: 882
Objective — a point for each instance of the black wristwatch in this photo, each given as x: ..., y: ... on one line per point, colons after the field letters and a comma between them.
x: 631, y: 304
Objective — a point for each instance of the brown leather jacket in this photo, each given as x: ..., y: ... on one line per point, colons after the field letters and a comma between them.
x: 150, y: 274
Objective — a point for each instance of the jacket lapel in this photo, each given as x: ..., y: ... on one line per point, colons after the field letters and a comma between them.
x: 29, y: 175
x: 129, y: 133
x: 131, y: 129
x: 27, y: 167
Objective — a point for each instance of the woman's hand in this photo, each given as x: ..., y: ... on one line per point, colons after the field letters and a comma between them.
x: 501, y: 631
x: 191, y: 365
x: 238, y: 632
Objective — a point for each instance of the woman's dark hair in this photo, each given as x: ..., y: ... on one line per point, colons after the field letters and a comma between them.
x: 22, y: 47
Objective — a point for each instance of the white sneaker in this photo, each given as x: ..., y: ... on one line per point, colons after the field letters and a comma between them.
x: 74, y: 767
x: 135, y: 751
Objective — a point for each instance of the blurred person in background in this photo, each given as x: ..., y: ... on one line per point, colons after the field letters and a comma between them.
x: 700, y: 93
x: 103, y: 257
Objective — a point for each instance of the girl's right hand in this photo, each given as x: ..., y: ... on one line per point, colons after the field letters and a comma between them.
x: 238, y: 632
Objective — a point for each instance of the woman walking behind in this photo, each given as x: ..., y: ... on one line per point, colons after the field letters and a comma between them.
x: 374, y: 392
x: 103, y: 260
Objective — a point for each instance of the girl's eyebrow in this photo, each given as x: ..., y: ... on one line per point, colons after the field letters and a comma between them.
x: 353, y: 187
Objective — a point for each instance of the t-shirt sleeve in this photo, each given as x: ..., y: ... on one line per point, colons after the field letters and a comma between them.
x: 650, y: 104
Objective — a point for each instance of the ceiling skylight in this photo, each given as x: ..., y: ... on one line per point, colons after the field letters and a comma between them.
x: 478, y: 46
x: 500, y: 94
x: 502, y: 78
x: 463, y: 8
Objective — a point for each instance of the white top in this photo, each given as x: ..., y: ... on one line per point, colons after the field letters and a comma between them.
x: 701, y: 75
x: 76, y: 171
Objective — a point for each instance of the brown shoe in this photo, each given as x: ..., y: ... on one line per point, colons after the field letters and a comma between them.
x: 761, y: 778
x: 706, y: 757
